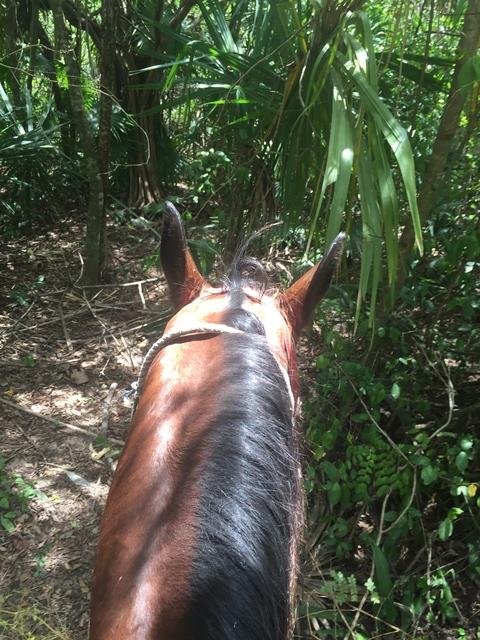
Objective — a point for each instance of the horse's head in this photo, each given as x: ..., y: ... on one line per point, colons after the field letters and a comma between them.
x: 208, y: 486
x: 282, y: 314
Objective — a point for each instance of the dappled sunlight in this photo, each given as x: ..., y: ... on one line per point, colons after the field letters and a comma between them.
x: 61, y: 352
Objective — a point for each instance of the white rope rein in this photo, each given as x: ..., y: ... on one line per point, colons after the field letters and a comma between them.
x: 173, y: 336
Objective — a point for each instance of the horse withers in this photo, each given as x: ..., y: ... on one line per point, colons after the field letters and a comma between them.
x: 199, y: 536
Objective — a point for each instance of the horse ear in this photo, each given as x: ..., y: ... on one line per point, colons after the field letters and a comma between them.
x: 303, y: 296
x: 183, y: 278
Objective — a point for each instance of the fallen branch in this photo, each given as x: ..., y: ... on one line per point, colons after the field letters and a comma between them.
x: 158, y: 320
x: 58, y: 423
x: 17, y: 322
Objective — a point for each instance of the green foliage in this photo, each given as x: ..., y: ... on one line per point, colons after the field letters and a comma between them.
x: 205, y: 171
x: 32, y: 622
x: 204, y: 254
x: 284, y: 141
x: 29, y: 157
x: 15, y: 496
x: 22, y: 295
x: 394, y: 447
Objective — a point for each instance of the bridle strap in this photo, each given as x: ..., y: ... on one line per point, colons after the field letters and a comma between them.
x: 173, y: 336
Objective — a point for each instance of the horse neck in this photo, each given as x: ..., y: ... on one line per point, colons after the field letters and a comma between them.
x: 200, y: 524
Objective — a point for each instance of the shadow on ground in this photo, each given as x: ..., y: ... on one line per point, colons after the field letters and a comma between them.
x: 61, y: 349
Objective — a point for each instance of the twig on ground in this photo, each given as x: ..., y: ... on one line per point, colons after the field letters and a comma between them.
x: 102, y: 371
x: 72, y: 314
x: 121, y: 284
x: 56, y: 466
x: 24, y: 315
x: 157, y: 320
x: 140, y: 293
x: 106, y: 328
x: 372, y: 569
x: 38, y: 360
x: 64, y: 326
x: 106, y: 409
x: 58, y: 423
x: 118, y: 327
x: 28, y: 438
x: 80, y: 276
x: 128, y: 350
x: 23, y: 450
x: 118, y: 306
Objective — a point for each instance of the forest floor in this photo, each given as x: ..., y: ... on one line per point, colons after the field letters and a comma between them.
x: 62, y: 353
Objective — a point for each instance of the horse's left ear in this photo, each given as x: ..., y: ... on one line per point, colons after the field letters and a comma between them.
x: 303, y: 296
x: 183, y: 278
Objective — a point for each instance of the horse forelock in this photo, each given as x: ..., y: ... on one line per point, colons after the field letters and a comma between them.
x: 247, y: 272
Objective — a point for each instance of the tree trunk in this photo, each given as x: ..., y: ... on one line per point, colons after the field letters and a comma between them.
x: 12, y: 59
x: 144, y: 175
x: 95, y: 219
x: 107, y: 72
x: 448, y: 127
x: 145, y: 179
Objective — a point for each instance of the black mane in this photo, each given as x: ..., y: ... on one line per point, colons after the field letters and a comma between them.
x: 250, y: 496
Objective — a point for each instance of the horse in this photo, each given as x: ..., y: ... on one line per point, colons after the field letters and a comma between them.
x: 202, y: 522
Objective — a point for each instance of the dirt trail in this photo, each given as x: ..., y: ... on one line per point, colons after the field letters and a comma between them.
x: 60, y: 353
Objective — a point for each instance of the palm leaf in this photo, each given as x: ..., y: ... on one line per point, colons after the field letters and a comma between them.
x: 396, y: 137
x: 338, y: 166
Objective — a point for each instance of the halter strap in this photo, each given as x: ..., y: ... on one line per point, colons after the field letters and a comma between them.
x: 173, y: 336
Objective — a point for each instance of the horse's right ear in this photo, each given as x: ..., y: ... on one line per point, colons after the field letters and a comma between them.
x: 183, y: 278
x: 302, y: 297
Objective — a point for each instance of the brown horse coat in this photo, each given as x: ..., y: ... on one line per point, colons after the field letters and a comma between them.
x: 199, y: 534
